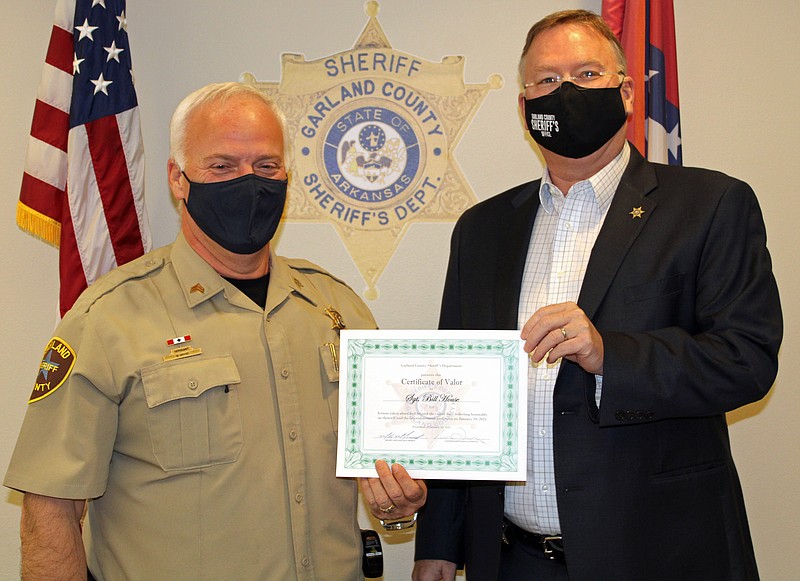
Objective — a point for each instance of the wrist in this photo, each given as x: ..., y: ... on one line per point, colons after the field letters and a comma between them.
x: 399, y: 524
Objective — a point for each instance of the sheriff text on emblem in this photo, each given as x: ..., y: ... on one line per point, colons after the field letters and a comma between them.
x: 372, y: 132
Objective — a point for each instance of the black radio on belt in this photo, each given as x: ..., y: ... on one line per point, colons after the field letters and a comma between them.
x: 372, y: 563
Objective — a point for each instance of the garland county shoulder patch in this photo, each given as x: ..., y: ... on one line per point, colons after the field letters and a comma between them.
x: 56, y: 366
x: 372, y: 133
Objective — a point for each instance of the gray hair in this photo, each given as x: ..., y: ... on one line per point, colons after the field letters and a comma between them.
x: 215, y: 93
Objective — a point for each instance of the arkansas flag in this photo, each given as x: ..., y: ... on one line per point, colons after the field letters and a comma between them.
x: 83, y: 186
x: 646, y: 29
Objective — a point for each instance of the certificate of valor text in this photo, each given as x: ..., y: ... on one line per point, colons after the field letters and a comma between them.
x: 444, y: 404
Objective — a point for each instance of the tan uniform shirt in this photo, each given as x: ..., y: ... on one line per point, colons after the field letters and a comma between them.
x: 213, y: 458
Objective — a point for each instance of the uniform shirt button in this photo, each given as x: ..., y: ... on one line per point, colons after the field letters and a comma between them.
x: 298, y: 497
x: 284, y: 373
x: 192, y: 384
x: 305, y: 561
x: 293, y: 434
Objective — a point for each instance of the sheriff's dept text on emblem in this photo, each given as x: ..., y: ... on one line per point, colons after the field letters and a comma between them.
x: 372, y: 132
x: 56, y: 366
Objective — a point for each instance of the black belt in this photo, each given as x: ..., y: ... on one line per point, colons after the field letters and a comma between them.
x: 551, y: 546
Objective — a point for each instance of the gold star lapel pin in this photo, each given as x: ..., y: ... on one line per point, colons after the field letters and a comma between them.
x: 637, y: 212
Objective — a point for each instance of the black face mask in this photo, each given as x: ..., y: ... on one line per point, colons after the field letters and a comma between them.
x: 241, y: 214
x: 575, y: 122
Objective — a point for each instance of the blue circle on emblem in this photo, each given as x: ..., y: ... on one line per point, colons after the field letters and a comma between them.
x: 371, y: 154
x: 371, y: 137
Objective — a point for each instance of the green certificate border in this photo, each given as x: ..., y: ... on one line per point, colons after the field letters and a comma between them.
x: 506, y: 460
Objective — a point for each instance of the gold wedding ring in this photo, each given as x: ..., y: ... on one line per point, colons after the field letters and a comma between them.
x: 388, y: 509
x: 564, y: 333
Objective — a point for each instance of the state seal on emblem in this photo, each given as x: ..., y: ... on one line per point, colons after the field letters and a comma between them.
x: 371, y: 136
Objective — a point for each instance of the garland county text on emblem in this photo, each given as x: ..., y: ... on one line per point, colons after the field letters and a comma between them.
x: 444, y: 404
x: 371, y: 135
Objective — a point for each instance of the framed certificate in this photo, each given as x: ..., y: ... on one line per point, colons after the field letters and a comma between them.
x: 444, y: 404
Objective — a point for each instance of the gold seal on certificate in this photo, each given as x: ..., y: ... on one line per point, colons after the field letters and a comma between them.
x: 444, y: 404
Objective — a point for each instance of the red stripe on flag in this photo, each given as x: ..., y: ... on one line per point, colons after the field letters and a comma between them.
x: 662, y: 36
x: 50, y: 125
x: 633, y: 39
x: 70, y: 267
x: 60, y: 50
x: 41, y: 197
x: 113, y: 181
x: 44, y: 210
x: 613, y: 12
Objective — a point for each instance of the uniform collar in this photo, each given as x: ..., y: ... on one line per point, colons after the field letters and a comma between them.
x: 199, y: 281
x: 285, y: 281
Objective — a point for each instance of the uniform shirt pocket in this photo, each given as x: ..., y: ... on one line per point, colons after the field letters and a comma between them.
x: 193, y: 413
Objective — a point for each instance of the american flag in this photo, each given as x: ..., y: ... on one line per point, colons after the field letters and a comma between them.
x: 646, y: 29
x: 83, y: 186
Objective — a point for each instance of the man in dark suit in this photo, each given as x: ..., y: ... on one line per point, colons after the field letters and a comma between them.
x: 645, y: 297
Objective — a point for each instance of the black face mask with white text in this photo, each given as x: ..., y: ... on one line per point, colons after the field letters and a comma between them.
x: 241, y: 214
x: 575, y: 122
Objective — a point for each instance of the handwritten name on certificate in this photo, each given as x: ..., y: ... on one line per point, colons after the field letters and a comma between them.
x: 444, y: 404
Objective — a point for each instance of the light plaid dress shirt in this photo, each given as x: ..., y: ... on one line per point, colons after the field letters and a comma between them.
x: 564, y: 233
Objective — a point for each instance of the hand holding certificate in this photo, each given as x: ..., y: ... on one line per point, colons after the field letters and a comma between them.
x: 394, y: 495
x: 444, y: 404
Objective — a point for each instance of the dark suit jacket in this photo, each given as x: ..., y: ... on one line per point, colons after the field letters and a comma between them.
x: 688, y: 309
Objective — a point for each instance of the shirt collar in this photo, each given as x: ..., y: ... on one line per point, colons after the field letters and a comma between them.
x: 604, y: 183
x: 199, y: 281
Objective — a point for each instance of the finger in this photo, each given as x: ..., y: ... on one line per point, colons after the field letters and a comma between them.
x: 543, y: 322
x: 387, y: 482
x: 552, y: 340
x: 412, y: 489
x: 394, y: 490
x: 366, y: 490
x: 380, y: 509
x: 374, y: 491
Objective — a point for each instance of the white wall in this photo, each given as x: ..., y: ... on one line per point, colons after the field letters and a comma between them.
x: 738, y: 99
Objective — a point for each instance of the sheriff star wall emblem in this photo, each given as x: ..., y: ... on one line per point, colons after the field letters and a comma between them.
x: 372, y: 134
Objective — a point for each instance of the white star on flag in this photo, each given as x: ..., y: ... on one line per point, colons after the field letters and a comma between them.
x: 123, y: 22
x: 86, y: 30
x: 101, y: 85
x: 113, y: 51
x: 76, y: 64
x: 674, y: 139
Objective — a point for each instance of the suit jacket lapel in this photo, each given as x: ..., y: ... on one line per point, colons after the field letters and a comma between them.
x: 629, y: 212
x: 515, y: 234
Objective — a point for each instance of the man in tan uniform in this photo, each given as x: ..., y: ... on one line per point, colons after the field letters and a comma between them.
x: 192, y: 394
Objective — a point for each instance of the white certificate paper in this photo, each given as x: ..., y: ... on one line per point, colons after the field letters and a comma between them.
x: 444, y: 404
